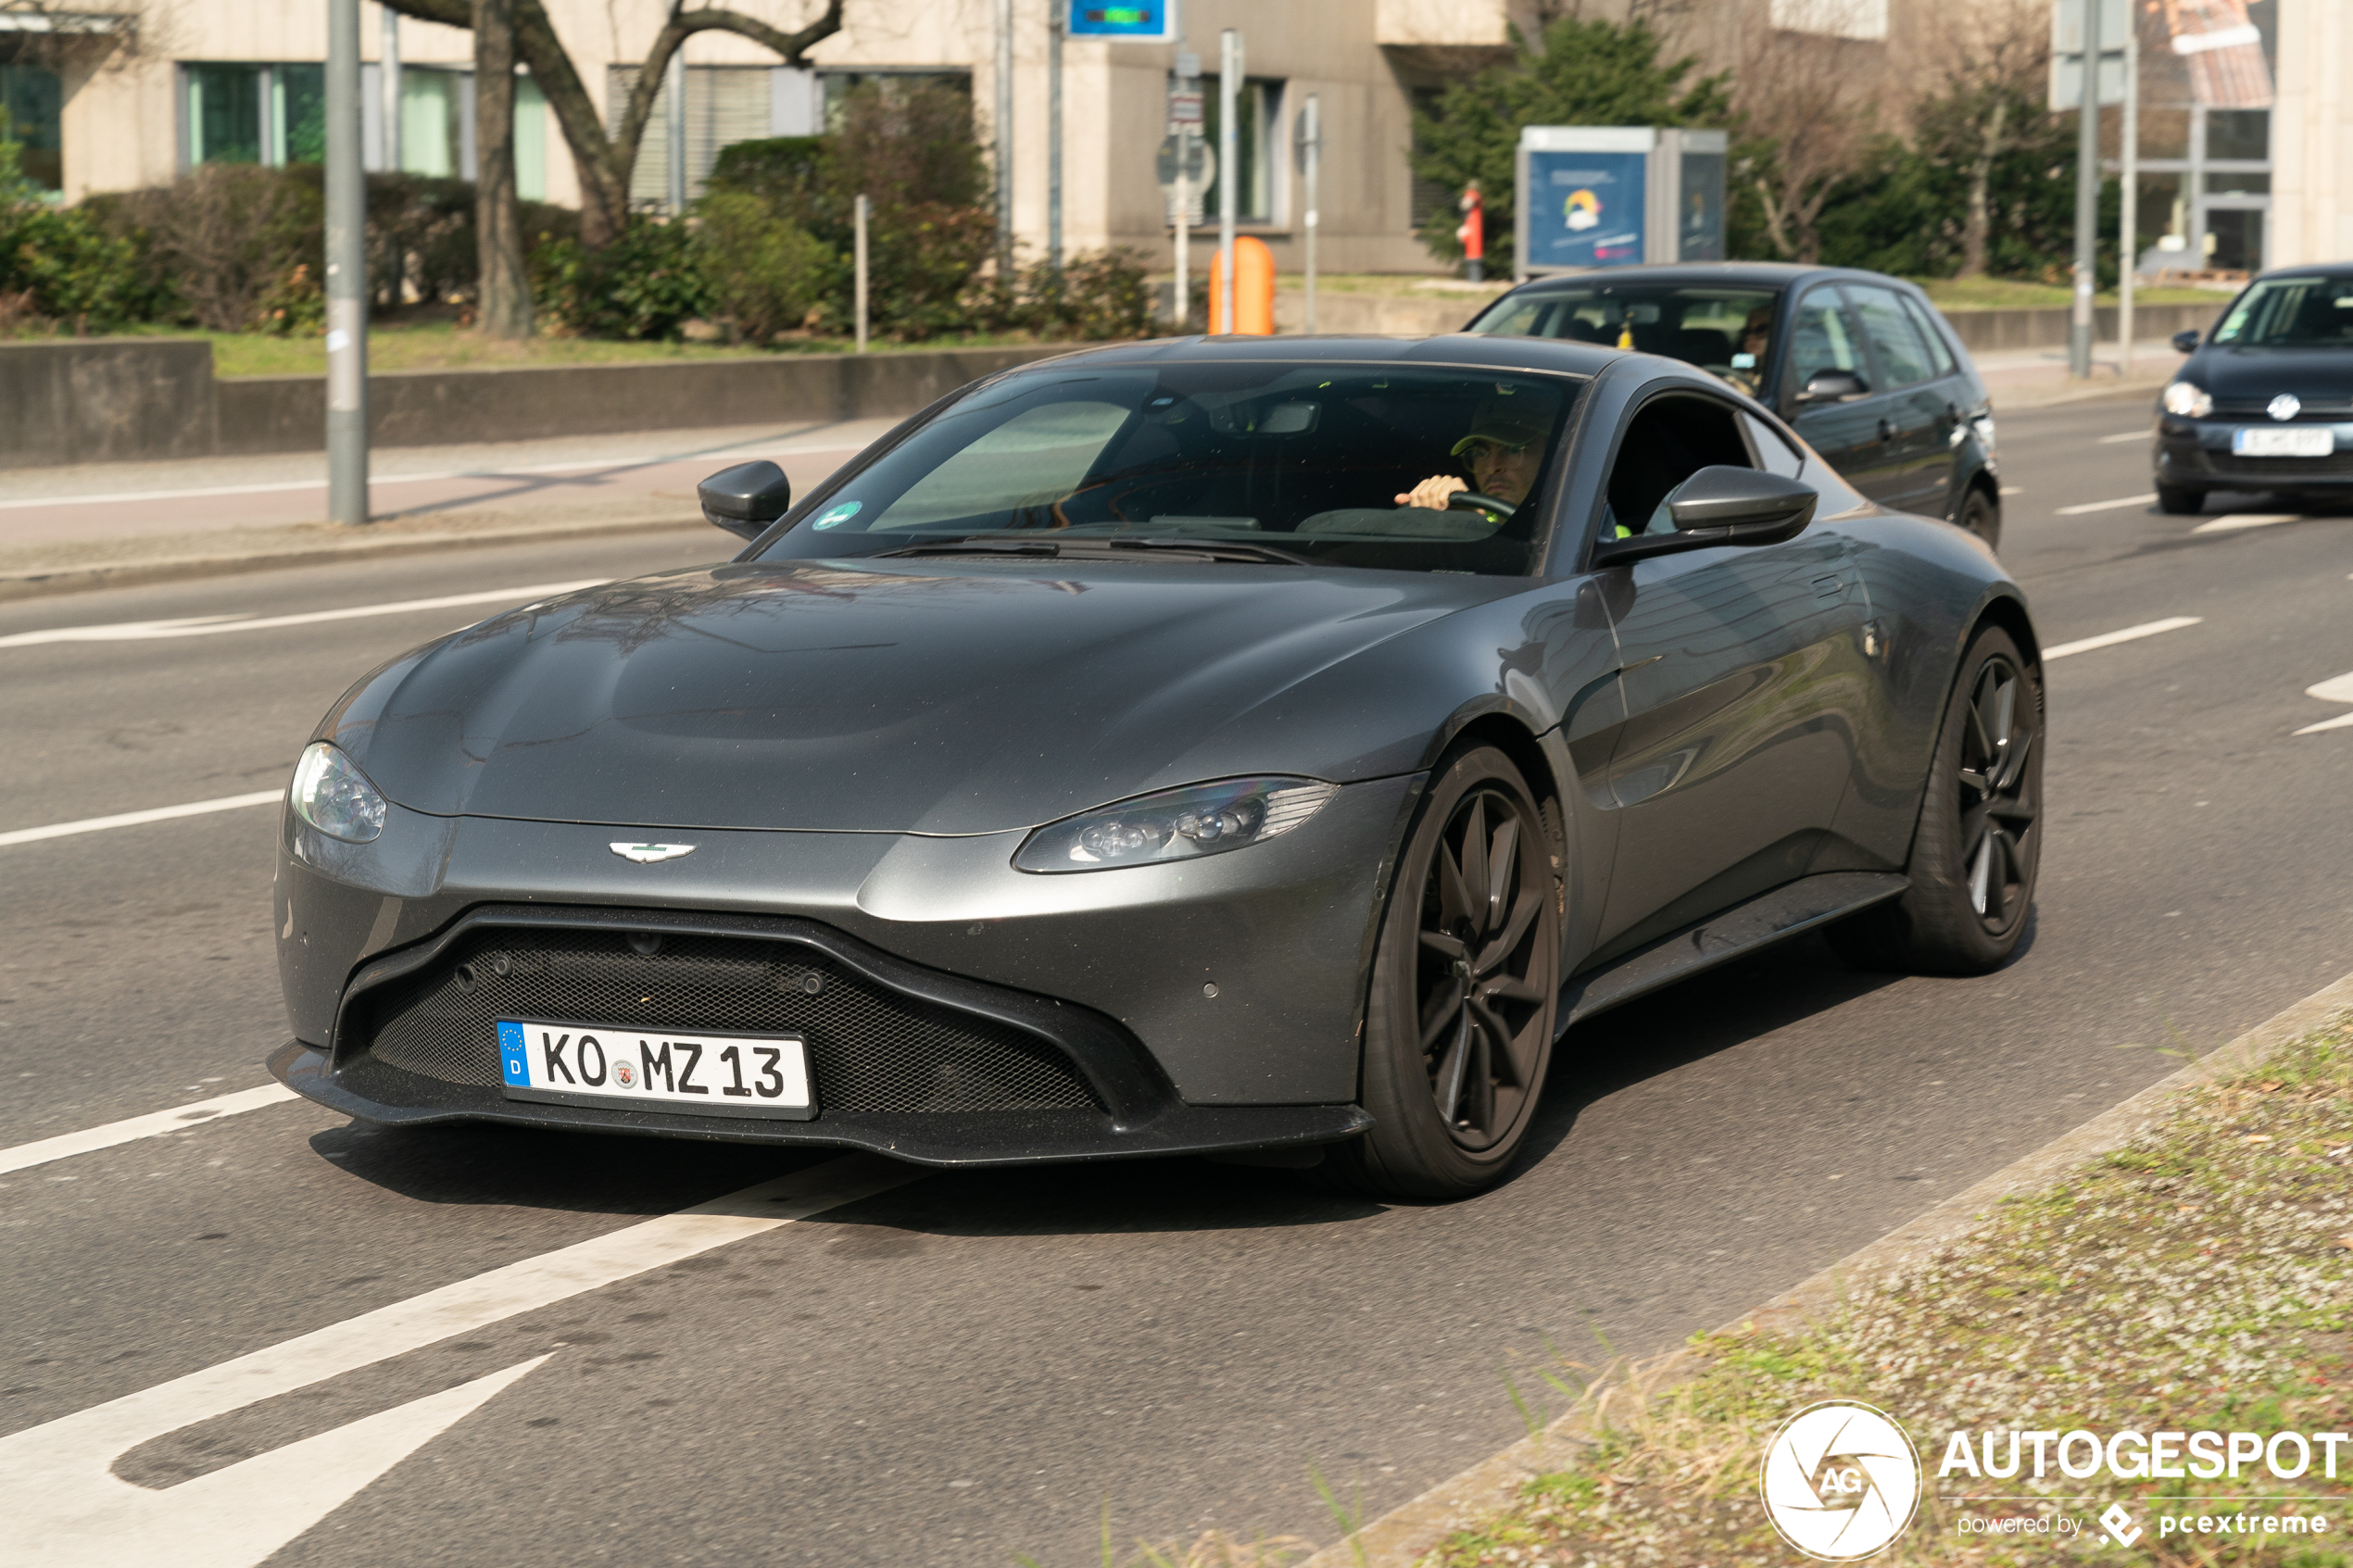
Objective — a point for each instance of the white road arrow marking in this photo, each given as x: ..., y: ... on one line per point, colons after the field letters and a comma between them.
x: 2338, y: 690
x: 61, y: 1506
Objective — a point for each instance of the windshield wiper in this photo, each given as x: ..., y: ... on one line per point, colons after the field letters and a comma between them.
x: 1175, y: 549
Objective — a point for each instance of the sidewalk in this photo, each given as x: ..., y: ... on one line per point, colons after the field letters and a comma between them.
x: 2029, y: 377
x: 118, y: 524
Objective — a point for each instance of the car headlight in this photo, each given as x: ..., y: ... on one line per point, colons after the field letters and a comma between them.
x: 331, y: 794
x: 1174, y: 825
x: 2188, y: 399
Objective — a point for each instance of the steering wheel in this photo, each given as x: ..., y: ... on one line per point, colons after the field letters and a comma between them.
x: 1472, y: 501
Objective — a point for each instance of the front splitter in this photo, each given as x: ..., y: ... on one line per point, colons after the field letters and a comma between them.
x: 374, y: 1091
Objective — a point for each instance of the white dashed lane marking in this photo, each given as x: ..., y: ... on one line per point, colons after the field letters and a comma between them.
x: 153, y: 1124
x: 61, y: 1504
x: 2117, y: 505
x: 212, y: 625
x: 133, y: 819
x: 2130, y: 634
x: 2121, y: 436
x: 2231, y: 523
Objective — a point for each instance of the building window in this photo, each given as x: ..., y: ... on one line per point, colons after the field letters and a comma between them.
x: 434, y: 105
x: 1257, y: 127
x: 836, y: 85
x: 1836, y: 18
x: 269, y: 113
x: 32, y: 102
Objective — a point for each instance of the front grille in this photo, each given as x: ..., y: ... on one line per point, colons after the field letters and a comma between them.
x: 2313, y: 408
x: 2231, y: 466
x: 871, y: 1049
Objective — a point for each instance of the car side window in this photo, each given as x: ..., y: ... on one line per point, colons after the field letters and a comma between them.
x: 1770, y: 447
x: 1669, y: 439
x: 1820, y: 338
x: 1933, y: 335
x: 1903, y: 358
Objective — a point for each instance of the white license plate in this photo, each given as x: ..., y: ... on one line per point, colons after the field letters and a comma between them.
x: 2254, y: 441
x: 649, y: 1070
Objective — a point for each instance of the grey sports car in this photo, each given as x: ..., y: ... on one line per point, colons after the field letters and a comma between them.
x: 1242, y: 747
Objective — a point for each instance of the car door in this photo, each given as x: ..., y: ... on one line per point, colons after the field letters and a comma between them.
x: 1914, y: 415
x: 1847, y: 431
x: 1735, y: 750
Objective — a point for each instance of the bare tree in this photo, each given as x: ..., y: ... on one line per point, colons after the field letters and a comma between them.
x: 603, y: 157
x: 1796, y: 94
x: 1995, y: 56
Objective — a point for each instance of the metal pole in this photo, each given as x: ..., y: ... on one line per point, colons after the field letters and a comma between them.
x: 2131, y: 237
x: 1004, y: 132
x: 1188, y: 81
x: 1054, y: 140
x: 864, y: 210
x: 1229, y: 88
x: 1315, y: 143
x: 2087, y: 198
x: 674, y: 82
x: 390, y: 85
x: 346, y: 273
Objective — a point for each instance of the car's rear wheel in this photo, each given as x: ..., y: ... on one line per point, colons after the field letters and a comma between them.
x: 1981, y: 517
x: 1980, y: 840
x: 1458, y: 1027
x: 2175, y: 501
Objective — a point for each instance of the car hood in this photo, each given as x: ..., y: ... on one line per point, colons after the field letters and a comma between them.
x: 2316, y: 375
x: 946, y: 697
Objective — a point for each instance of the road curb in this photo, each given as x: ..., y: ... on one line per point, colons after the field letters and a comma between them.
x: 42, y: 582
x: 1400, y: 1537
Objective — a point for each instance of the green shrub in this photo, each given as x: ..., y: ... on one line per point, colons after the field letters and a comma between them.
x: 1106, y: 295
x: 766, y: 273
x: 647, y: 283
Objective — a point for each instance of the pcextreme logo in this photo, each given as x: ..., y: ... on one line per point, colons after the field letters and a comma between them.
x: 1840, y: 1480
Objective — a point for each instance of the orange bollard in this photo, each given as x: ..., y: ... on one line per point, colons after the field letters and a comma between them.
x: 1253, y: 289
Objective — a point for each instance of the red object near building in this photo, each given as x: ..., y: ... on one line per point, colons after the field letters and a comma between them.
x: 1472, y: 234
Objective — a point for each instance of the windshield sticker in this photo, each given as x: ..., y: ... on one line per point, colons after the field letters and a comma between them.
x: 838, y: 516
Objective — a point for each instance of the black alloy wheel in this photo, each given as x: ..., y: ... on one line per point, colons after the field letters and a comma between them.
x: 1983, y: 516
x: 1464, y: 990
x: 1980, y: 842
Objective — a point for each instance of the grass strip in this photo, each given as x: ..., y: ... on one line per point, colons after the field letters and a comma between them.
x: 2198, y: 1278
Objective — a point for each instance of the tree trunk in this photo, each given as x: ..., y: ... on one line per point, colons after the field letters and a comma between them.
x: 505, y: 292
x: 1976, y: 227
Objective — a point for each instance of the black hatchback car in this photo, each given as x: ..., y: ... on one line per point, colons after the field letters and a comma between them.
x: 1858, y: 362
x: 2267, y: 403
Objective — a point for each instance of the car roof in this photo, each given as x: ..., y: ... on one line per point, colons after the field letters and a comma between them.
x: 1706, y: 274
x: 1557, y: 355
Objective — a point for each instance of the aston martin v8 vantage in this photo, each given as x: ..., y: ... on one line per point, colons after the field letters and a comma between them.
x: 1236, y: 746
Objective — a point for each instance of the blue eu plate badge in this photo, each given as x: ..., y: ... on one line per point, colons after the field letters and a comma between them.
x: 511, y: 1048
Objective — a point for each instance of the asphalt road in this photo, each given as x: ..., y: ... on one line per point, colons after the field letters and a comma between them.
x: 969, y: 1367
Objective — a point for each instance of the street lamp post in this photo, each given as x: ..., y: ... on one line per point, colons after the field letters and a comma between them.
x: 346, y: 273
x: 2087, y: 198
x: 1230, y: 90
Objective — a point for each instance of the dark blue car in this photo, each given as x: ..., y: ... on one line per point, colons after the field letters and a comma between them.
x: 2267, y: 403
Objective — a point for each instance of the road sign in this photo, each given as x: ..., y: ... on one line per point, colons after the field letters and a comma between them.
x: 1185, y: 110
x: 2067, y: 52
x: 1135, y: 21
x: 1200, y: 171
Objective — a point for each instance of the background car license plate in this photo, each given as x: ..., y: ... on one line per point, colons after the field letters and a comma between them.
x: 2253, y: 441
x: 642, y: 1070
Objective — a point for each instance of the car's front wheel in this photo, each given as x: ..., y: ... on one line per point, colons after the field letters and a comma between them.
x: 1458, y: 1027
x: 1979, y: 839
x: 2176, y: 500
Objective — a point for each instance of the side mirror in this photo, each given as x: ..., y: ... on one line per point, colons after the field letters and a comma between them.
x: 1721, y: 505
x: 745, y: 499
x: 2185, y: 343
x: 1833, y: 387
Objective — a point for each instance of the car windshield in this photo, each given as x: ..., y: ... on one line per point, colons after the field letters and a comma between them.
x: 2307, y: 312
x: 1351, y: 465
x: 1725, y: 330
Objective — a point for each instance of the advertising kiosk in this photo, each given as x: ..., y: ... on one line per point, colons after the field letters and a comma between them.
x: 1617, y: 196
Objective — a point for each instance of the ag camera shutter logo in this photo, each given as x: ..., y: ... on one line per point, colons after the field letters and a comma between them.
x: 1840, y: 1480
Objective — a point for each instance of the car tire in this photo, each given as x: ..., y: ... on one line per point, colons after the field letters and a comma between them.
x: 1979, y: 843
x: 1466, y: 988
x: 2175, y: 501
x: 1981, y: 515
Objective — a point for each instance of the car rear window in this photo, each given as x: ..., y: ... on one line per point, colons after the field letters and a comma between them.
x: 1725, y: 330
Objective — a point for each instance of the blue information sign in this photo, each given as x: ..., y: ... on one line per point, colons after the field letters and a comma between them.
x: 1138, y: 21
x: 1585, y: 210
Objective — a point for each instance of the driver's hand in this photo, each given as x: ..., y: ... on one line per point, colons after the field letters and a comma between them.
x: 1432, y: 491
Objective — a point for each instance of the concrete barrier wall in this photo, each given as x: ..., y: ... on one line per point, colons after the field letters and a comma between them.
x: 68, y: 401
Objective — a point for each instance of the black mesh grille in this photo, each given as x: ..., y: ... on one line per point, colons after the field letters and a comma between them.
x: 870, y: 1048
x: 2336, y: 463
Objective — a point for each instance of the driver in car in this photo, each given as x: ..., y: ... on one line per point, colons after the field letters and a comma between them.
x: 1504, y: 454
